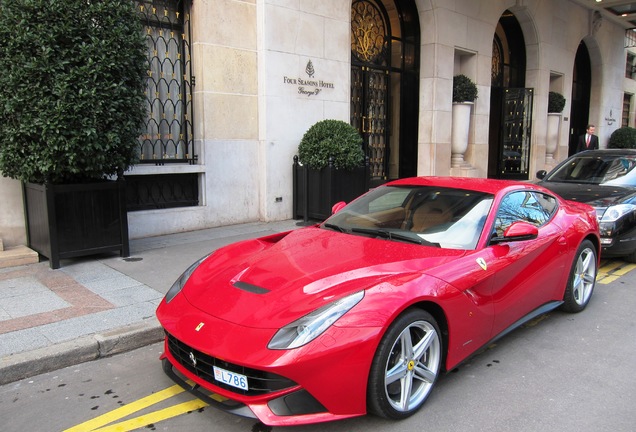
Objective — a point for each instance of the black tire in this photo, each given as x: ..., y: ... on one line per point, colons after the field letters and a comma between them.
x: 631, y: 258
x: 407, y: 362
x: 582, y: 278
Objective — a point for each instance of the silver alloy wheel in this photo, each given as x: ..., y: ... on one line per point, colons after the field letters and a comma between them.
x: 584, y: 276
x: 412, y: 366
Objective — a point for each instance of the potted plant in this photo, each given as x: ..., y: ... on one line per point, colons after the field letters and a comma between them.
x: 624, y: 137
x: 464, y: 95
x: 556, y: 103
x: 330, y: 167
x: 464, y: 89
x: 72, y: 101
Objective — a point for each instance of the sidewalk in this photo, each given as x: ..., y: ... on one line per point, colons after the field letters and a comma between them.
x: 102, y: 305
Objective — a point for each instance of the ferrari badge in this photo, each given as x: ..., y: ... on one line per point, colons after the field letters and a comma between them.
x: 482, y: 263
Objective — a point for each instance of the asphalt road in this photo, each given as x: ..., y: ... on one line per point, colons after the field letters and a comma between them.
x: 560, y: 372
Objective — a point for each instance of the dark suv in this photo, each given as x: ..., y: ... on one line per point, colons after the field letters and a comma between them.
x: 605, y: 179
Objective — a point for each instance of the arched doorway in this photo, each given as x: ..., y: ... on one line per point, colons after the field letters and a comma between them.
x: 580, y: 106
x: 385, y: 39
x: 510, y: 103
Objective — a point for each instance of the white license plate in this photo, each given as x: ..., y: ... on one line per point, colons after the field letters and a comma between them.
x: 230, y: 378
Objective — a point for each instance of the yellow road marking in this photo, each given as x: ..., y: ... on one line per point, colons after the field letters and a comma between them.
x: 612, y: 270
x: 607, y: 279
x: 154, y: 417
x: 608, y: 266
x: 622, y: 271
x: 131, y: 408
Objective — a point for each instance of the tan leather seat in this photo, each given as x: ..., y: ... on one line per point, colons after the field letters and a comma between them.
x: 430, y: 214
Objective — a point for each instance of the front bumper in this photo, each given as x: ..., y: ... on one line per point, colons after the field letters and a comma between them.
x: 617, y: 247
x: 293, y: 405
x: 617, y: 239
x: 212, y: 399
x: 322, y: 381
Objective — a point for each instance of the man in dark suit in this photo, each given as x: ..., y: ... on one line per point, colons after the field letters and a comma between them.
x: 588, y: 141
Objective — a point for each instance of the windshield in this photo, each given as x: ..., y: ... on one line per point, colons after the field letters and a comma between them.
x: 432, y: 216
x: 598, y: 170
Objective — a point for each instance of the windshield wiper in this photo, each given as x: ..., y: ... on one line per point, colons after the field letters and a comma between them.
x: 334, y: 227
x: 393, y: 236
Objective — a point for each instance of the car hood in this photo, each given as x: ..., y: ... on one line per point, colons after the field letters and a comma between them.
x: 270, y: 282
x: 595, y: 195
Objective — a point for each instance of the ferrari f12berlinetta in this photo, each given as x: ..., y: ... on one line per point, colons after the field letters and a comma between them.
x: 363, y: 312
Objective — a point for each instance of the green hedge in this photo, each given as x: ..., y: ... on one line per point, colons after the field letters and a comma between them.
x: 71, y: 88
x: 331, y: 139
x: 624, y: 137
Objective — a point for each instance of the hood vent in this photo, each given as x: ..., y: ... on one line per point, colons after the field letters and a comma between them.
x: 250, y: 288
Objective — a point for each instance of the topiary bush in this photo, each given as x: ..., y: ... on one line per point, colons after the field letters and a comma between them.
x: 464, y: 89
x: 556, y: 102
x: 71, y: 89
x: 334, y: 139
x: 624, y: 137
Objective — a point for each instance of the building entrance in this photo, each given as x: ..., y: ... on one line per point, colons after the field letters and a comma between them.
x: 385, y: 85
x: 510, y: 104
x: 580, y: 106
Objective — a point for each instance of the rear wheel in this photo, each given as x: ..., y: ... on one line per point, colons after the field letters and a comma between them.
x: 406, y: 366
x: 582, y: 278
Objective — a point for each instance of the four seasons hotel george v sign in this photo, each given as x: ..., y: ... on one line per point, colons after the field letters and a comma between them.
x: 308, y: 86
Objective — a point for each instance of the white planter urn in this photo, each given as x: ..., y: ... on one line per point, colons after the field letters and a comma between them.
x: 552, y: 136
x: 459, y: 133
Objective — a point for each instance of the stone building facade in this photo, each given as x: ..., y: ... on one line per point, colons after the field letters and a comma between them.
x: 240, y: 81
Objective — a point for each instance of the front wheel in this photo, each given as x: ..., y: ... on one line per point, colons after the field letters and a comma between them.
x: 582, y: 278
x: 630, y: 258
x: 406, y: 366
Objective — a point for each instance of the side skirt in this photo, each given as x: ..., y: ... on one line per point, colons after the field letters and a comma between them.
x: 532, y: 315
x: 529, y: 317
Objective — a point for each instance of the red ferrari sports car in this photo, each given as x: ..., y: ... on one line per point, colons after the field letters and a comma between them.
x: 363, y: 312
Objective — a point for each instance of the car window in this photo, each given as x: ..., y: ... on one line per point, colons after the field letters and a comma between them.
x: 621, y: 172
x: 444, y: 217
x: 392, y: 199
x: 600, y: 169
x: 524, y: 206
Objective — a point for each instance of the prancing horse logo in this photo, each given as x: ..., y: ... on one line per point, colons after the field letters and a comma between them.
x: 193, y: 359
x: 482, y: 263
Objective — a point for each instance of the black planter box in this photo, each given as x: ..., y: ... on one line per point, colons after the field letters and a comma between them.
x: 316, y: 191
x: 67, y: 221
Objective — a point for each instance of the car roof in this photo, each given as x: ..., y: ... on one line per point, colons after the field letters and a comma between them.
x: 491, y: 186
x: 608, y: 152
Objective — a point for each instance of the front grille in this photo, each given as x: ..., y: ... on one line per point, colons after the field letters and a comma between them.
x: 259, y: 382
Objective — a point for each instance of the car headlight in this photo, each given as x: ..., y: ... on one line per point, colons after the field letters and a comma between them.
x: 178, y: 285
x: 309, y: 327
x: 615, y: 212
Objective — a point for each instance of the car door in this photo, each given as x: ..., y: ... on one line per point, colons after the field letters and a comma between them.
x: 527, y: 270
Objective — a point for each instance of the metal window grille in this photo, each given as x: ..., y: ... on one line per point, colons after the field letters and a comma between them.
x: 630, y: 38
x: 161, y: 191
x: 630, y: 67
x: 168, y: 135
x: 627, y: 102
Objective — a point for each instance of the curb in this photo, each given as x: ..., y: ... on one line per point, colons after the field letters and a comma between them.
x: 86, y: 348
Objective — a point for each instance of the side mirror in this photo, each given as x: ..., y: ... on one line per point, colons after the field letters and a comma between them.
x: 337, y: 207
x: 541, y: 174
x: 518, y: 231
